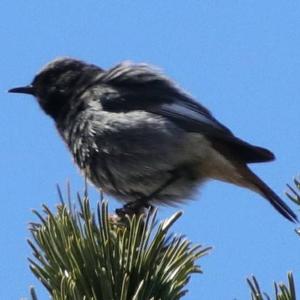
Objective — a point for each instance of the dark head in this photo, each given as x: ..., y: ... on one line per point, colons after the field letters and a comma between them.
x: 58, y: 84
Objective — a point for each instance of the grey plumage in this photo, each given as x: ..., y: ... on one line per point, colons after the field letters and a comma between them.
x: 139, y: 137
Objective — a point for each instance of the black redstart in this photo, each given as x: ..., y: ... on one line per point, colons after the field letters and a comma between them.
x: 139, y: 137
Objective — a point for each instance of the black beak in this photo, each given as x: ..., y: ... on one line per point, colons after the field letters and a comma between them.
x: 29, y: 89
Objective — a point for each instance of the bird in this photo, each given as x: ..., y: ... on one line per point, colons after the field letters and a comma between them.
x: 139, y: 137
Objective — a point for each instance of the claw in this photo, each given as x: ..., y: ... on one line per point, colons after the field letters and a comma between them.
x: 132, y: 208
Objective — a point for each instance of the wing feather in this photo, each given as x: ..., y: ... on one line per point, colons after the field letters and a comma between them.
x: 141, y: 87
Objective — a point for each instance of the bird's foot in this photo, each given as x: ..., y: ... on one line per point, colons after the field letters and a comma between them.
x: 136, y: 207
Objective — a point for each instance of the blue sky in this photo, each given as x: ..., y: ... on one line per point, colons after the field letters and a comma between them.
x: 239, y: 58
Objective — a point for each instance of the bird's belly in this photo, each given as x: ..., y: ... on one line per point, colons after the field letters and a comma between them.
x: 130, y: 175
x: 130, y: 182
x: 131, y: 155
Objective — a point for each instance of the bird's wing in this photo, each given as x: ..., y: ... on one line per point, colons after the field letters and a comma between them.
x: 141, y: 87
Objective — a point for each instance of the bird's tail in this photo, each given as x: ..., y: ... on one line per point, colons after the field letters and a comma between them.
x: 256, y: 184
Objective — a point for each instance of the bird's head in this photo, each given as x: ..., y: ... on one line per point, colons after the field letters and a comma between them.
x: 59, y: 83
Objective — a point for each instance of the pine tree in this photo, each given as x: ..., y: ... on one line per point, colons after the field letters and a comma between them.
x: 81, y: 254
